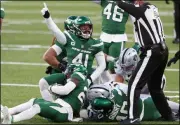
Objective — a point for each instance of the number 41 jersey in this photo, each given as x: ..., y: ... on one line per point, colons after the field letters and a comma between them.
x: 113, y: 18
x: 82, y: 51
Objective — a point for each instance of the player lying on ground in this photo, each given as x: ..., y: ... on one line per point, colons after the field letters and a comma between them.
x: 60, y: 110
x: 125, y: 65
x: 56, y: 55
x: 108, y: 102
x: 80, y: 46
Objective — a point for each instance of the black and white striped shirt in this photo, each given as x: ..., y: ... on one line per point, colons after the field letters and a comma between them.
x: 147, y: 23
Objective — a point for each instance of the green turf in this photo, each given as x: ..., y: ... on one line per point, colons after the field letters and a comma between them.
x: 22, y: 26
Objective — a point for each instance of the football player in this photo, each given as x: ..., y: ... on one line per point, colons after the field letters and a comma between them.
x: 113, y: 34
x: 70, y: 99
x: 80, y: 46
x: 110, y: 104
x: 2, y: 17
x: 125, y: 65
x: 55, y: 56
x: 113, y: 29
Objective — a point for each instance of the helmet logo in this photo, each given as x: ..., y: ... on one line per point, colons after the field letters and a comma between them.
x: 79, y: 19
x: 87, y: 22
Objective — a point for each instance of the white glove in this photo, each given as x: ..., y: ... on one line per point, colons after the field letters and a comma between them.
x: 45, y: 12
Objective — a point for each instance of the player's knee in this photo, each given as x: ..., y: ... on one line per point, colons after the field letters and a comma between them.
x: 36, y: 108
x: 43, y: 84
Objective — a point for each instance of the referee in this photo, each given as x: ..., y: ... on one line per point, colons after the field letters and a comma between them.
x: 153, y: 59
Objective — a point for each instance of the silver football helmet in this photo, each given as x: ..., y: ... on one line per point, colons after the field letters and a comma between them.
x: 98, y: 90
x: 128, y: 60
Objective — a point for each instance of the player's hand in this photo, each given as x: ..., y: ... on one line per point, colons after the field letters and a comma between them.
x: 49, y: 70
x: 62, y: 66
x: 45, y: 12
x: 172, y: 60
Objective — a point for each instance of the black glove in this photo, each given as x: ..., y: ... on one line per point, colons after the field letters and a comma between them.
x: 49, y: 70
x: 62, y: 66
x: 172, y: 60
x: 45, y: 12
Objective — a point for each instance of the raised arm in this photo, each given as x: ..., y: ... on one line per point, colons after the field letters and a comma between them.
x: 134, y: 10
x: 61, y: 38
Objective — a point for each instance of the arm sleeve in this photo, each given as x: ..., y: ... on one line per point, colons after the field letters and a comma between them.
x: 61, y: 38
x: 63, y: 90
x: 101, y: 65
x: 57, y: 49
x: 132, y: 9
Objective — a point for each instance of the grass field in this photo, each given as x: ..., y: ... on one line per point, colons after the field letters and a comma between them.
x: 25, y: 38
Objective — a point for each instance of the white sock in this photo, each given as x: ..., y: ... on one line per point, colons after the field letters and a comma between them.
x: 27, y: 114
x: 21, y: 107
x: 174, y: 106
x: 43, y: 85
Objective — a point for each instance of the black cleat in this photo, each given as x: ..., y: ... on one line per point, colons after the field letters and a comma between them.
x: 130, y: 121
x: 176, y: 40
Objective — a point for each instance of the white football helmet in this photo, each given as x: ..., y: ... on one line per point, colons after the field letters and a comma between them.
x: 127, y: 62
x: 98, y: 90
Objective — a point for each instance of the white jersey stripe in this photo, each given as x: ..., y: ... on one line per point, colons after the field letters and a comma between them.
x: 146, y: 27
x: 138, y: 76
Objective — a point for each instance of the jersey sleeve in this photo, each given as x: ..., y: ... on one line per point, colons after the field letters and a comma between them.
x: 2, y: 13
x: 99, y: 46
x: 104, y: 3
x: 77, y: 78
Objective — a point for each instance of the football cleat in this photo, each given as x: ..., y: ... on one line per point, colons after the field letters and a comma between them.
x: 7, y: 116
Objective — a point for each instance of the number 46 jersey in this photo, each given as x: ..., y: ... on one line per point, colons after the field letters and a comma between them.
x: 113, y: 18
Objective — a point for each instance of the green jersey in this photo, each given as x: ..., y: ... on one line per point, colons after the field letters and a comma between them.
x: 82, y: 51
x: 113, y: 18
x: 77, y: 96
x: 146, y: 107
x: 2, y: 13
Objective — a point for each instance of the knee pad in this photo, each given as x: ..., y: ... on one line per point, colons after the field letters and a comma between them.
x: 43, y: 85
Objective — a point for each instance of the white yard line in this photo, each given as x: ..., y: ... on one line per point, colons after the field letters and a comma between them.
x: 27, y: 47
x: 72, y: 12
x: 45, y: 64
x: 15, y: 49
x: 95, y: 19
x: 48, y: 32
x: 65, y: 4
x: 24, y: 63
x: 34, y: 85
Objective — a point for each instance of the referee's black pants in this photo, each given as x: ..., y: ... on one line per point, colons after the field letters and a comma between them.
x: 177, y: 18
x: 149, y: 70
